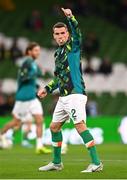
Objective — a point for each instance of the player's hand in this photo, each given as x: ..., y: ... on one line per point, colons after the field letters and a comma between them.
x: 67, y: 12
x: 42, y: 93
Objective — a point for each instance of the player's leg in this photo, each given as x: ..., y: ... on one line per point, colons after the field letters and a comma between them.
x: 37, y: 112
x: 88, y: 140
x: 59, y: 117
x: 55, y: 128
x: 77, y: 112
x: 26, y: 129
x: 56, y: 164
x: 16, y: 121
x: 39, y: 123
x: 11, y: 124
x: 40, y: 148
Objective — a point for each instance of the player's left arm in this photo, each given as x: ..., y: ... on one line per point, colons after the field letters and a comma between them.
x: 49, y: 88
x: 73, y: 23
x: 52, y: 85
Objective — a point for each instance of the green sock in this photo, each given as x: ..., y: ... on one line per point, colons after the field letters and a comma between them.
x: 57, y: 143
x: 89, y: 142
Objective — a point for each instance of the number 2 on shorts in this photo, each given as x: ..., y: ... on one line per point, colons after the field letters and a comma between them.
x: 73, y: 111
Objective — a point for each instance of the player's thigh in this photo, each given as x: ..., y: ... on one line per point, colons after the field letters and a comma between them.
x: 15, y: 122
x: 18, y: 111
x: 76, y: 107
x: 59, y: 115
x: 21, y: 110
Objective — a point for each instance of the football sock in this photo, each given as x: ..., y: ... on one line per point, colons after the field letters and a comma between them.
x: 39, y: 143
x: 90, y: 145
x: 57, y: 143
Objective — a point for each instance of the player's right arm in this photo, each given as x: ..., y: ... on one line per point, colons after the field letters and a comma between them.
x: 51, y: 86
x: 73, y: 23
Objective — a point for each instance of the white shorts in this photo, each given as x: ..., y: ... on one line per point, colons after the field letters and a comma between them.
x: 24, y: 110
x: 70, y: 107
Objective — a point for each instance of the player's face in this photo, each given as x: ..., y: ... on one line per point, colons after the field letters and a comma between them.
x: 35, y: 52
x: 61, y: 35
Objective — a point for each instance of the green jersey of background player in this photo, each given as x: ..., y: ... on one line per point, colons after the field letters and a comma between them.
x: 72, y: 100
x: 27, y: 105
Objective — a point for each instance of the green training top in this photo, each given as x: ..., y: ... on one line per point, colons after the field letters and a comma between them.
x: 68, y: 73
x: 27, y: 76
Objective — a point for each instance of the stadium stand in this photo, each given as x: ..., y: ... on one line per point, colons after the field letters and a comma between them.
x: 112, y: 38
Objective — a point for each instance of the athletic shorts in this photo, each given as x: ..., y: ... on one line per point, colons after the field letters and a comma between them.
x: 70, y: 107
x: 24, y: 110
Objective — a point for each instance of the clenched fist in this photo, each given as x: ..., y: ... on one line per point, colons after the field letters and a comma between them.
x: 42, y: 92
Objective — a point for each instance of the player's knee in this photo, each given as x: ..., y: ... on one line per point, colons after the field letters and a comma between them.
x: 17, y: 122
x: 53, y: 128
x: 39, y: 122
x: 81, y: 126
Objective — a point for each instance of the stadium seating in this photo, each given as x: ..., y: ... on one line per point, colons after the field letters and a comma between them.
x: 113, y: 39
x: 98, y: 83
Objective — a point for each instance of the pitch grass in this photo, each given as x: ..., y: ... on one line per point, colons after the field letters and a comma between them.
x: 23, y: 163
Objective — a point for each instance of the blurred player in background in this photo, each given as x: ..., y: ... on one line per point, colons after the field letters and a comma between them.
x: 27, y: 103
x: 72, y: 100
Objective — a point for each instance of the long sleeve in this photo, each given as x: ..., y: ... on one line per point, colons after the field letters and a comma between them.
x: 75, y: 31
x: 52, y: 85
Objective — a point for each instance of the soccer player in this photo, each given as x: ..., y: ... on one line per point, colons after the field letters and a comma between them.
x: 27, y: 103
x: 72, y: 100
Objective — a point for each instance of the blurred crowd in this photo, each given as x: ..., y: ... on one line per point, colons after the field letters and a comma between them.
x: 6, y: 104
x: 104, y: 68
x: 90, y: 48
x: 13, y: 53
x: 113, y: 10
x: 34, y: 21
